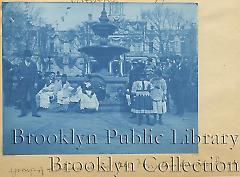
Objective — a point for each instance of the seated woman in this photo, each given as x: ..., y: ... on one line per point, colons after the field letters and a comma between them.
x: 63, y: 91
x: 88, y: 99
x: 46, y: 94
x: 76, y: 97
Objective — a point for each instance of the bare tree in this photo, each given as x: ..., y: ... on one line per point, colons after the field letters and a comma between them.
x: 20, y: 21
x: 161, y: 18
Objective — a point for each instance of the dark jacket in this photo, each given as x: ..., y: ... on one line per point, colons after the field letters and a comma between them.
x: 7, y: 70
x: 180, y: 75
x: 28, y: 73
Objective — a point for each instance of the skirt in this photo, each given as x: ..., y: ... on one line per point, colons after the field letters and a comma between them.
x: 159, y: 107
x: 142, y: 105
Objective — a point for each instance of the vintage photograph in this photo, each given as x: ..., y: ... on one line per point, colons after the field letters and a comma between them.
x: 99, y: 78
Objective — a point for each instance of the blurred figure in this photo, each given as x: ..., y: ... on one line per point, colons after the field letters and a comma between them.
x: 76, y: 97
x: 150, y: 66
x: 17, y: 90
x: 88, y: 99
x: 158, y: 94
x: 7, y: 81
x: 141, y: 102
x: 58, y: 74
x: 41, y: 80
x: 137, y: 68
x: 28, y: 79
x: 128, y: 97
x: 133, y: 73
x: 179, y: 79
x: 46, y: 94
x: 63, y: 91
x: 166, y: 72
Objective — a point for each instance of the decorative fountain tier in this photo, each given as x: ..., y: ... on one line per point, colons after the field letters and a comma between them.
x: 104, y: 52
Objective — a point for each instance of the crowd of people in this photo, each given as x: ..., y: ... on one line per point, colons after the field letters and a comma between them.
x: 48, y: 91
x: 62, y: 93
x: 151, y: 88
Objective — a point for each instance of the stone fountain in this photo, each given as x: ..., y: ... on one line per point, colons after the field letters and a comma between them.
x: 103, y: 53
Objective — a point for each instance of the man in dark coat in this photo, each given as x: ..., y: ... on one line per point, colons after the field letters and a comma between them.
x: 7, y: 81
x: 28, y: 80
x: 179, y: 79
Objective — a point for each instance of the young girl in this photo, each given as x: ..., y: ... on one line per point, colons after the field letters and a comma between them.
x: 142, y: 103
x: 158, y: 94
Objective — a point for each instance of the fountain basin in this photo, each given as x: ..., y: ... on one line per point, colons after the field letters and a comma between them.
x: 104, y: 53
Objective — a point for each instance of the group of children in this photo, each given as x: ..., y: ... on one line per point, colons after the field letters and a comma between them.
x: 148, y: 96
x: 62, y: 93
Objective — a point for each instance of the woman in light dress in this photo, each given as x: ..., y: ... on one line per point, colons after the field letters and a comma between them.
x: 88, y: 99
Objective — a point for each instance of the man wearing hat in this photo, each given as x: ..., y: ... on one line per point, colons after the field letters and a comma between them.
x: 28, y: 80
x: 179, y: 79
